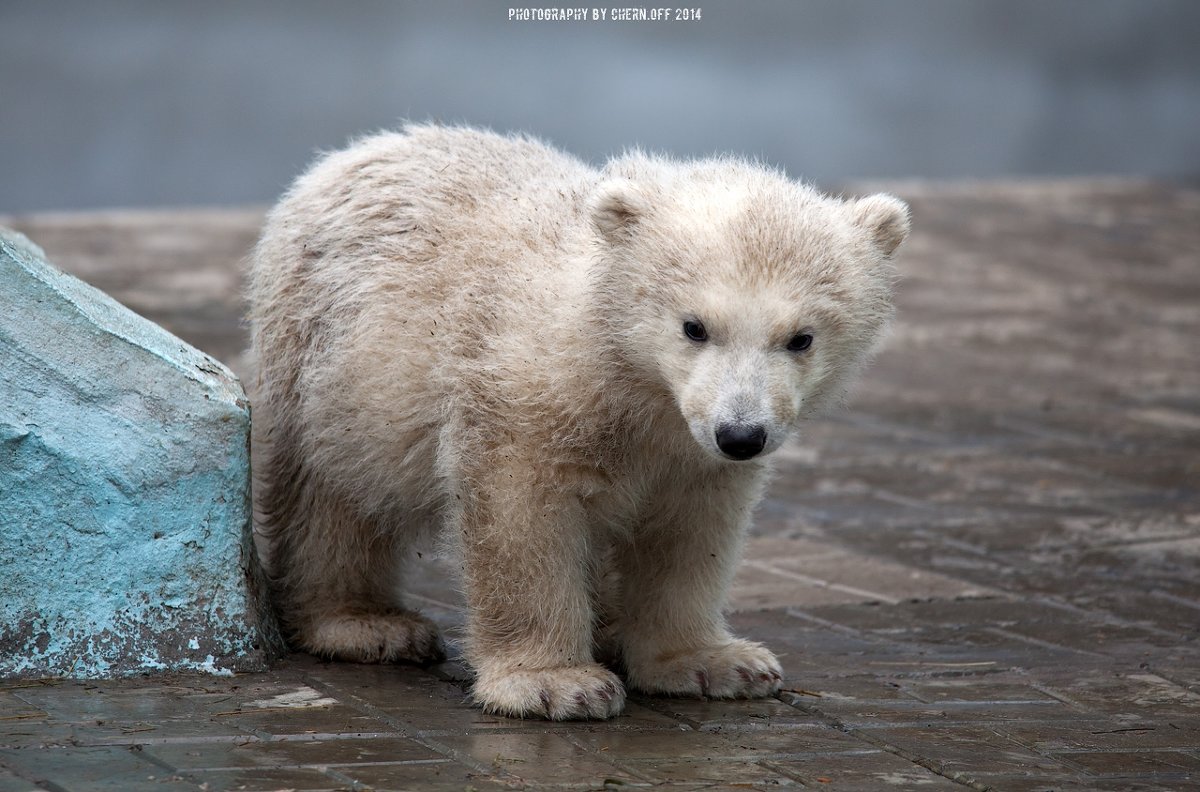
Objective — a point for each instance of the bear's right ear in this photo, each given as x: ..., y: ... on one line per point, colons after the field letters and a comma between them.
x: 884, y: 218
x: 617, y: 207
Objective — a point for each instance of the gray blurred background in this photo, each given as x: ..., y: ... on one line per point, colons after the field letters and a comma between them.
x: 171, y: 103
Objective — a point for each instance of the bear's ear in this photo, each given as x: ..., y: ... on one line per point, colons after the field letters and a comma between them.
x: 617, y: 207
x: 884, y: 218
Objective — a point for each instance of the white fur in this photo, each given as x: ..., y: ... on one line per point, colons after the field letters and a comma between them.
x: 466, y: 332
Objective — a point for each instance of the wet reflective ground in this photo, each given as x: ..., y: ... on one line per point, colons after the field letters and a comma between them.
x: 984, y: 573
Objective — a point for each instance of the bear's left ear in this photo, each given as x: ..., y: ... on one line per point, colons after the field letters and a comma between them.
x: 884, y: 218
x: 616, y: 208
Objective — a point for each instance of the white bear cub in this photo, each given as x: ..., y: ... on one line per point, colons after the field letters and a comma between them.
x: 580, y: 374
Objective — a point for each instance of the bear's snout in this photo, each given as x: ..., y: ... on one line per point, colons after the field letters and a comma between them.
x: 741, y: 441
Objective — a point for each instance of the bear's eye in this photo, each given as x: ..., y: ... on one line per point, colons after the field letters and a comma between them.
x: 800, y: 342
x: 695, y: 330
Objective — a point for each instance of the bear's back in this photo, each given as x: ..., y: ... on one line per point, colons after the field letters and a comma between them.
x: 429, y: 208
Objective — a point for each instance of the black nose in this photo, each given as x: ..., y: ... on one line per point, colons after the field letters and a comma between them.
x: 741, y: 441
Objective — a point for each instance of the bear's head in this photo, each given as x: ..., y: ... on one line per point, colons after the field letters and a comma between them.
x: 752, y: 299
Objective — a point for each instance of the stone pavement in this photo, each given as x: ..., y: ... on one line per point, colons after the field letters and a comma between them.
x: 983, y: 574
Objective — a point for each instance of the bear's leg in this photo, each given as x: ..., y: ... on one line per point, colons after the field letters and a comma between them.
x: 529, y: 633
x: 336, y: 586
x: 675, y: 573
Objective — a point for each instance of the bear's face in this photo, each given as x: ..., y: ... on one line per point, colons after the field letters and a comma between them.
x: 752, y: 299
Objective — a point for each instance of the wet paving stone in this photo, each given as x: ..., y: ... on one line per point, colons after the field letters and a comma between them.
x: 543, y: 757
x: 344, y: 749
x: 671, y: 744
x: 869, y: 769
x: 809, y: 739
x: 954, y: 749
x: 104, y: 769
x: 9, y: 782
x: 320, y: 722
x: 1124, y: 764
x: 140, y: 732
x: 258, y: 780
x: 983, y: 574
x: 994, y: 689
x: 711, y: 715
x: 1039, y: 783
x: 700, y: 773
x: 446, y: 776
x: 1101, y: 735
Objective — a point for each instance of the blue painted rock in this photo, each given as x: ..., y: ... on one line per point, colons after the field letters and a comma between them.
x: 125, y: 522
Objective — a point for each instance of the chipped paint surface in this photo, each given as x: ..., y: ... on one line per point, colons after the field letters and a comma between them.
x: 125, y: 539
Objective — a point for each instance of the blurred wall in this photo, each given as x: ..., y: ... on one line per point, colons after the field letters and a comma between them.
x: 175, y: 103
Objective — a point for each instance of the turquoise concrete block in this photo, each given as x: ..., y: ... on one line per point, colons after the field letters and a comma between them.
x: 125, y: 522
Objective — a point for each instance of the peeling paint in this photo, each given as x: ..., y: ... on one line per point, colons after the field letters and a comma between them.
x: 124, y: 490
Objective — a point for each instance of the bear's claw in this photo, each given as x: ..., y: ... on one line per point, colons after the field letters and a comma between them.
x: 567, y: 693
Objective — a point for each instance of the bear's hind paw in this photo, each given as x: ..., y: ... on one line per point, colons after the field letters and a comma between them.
x: 383, y: 636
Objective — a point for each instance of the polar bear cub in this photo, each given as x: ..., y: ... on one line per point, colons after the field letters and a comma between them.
x: 580, y: 374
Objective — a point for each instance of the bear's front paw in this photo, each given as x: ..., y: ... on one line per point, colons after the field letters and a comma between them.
x: 565, y: 693
x: 738, y: 669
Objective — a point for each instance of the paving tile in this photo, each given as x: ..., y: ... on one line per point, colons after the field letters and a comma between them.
x: 702, y: 773
x: 991, y: 714
x: 882, y: 580
x: 9, y: 782
x: 23, y: 734
x: 794, y: 740
x: 54, y: 735
x: 757, y: 586
x: 869, y: 770
x: 75, y: 702
x: 966, y: 611
x: 710, y: 714
x: 13, y: 709
x: 1123, y: 692
x: 967, y: 749
x: 630, y: 745
x: 867, y: 713
x: 333, y: 720
x: 1099, y: 735
x: 452, y: 717
x: 543, y: 758
x: 1025, y: 783
x: 445, y: 776
x: 1168, y: 468
x: 284, y: 709
x: 853, y: 684
x: 287, y: 753
x: 99, y: 769
x: 642, y: 713
x: 1157, y: 609
x: 981, y: 689
x: 1089, y: 634
x: 259, y: 780
x: 1136, y: 762
x: 385, y: 687
x: 803, y: 573
x: 1006, y: 649
x: 806, y: 648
